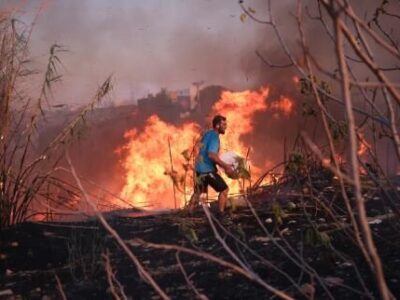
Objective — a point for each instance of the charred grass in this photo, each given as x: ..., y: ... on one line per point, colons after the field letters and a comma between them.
x: 303, y: 253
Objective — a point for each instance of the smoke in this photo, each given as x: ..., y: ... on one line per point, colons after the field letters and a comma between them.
x: 270, y: 134
x: 152, y: 44
x: 147, y: 44
x: 121, y: 38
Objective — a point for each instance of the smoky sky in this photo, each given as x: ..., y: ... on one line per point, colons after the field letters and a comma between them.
x: 154, y: 44
x: 148, y: 45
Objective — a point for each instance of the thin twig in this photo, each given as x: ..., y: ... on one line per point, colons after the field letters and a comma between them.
x: 188, y: 280
x: 209, y: 257
x: 115, y: 291
x: 142, y: 271
x: 60, y: 288
x: 362, y: 215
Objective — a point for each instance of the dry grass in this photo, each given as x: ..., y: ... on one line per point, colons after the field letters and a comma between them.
x: 25, y: 175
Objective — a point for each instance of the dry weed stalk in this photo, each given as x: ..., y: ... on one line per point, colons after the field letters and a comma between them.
x: 143, y: 273
x: 188, y: 280
x: 212, y: 258
x: 351, y: 36
x: 372, y: 254
x: 116, y: 291
x: 24, y: 174
x: 60, y: 288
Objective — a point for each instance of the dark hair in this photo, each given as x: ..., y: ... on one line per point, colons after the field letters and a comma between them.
x: 217, y: 119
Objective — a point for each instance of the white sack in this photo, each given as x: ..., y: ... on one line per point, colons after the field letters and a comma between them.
x: 230, y: 158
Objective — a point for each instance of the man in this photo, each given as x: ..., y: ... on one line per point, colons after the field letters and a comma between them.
x: 206, y: 166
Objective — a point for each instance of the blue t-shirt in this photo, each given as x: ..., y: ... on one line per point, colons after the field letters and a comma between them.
x: 209, y: 143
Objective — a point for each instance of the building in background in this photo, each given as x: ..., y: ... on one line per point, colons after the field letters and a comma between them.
x: 193, y: 102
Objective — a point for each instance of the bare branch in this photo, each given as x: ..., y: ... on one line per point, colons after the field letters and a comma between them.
x: 212, y: 258
x: 264, y: 60
x: 371, y: 33
x: 60, y: 288
x: 117, y: 292
x: 142, y: 271
x: 188, y: 280
x: 384, y: 290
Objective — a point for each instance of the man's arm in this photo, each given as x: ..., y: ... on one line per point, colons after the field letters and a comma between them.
x: 212, y: 152
x: 215, y: 158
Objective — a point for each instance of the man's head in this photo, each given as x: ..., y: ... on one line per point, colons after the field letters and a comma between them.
x: 219, y: 124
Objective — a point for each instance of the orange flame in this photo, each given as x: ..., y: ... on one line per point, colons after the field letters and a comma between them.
x: 363, y: 145
x: 239, y: 109
x: 147, y: 158
x: 284, y: 105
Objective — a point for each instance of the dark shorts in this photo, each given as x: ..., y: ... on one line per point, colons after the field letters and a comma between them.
x: 213, y: 179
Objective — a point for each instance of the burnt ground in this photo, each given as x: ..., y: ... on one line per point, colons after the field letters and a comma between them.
x: 303, y: 253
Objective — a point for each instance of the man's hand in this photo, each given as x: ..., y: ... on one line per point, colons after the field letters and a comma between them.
x: 230, y: 171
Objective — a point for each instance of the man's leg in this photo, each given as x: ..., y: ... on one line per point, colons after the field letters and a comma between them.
x: 220, y: 186
x: 222, y: 217
x: 200, y: 186
x: 222, y: 198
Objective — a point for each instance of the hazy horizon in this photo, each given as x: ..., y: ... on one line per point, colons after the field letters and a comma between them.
x: 146, y: 45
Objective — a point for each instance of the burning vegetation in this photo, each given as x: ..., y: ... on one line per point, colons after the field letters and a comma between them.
x: 314, y: 212
x: 161, y: 149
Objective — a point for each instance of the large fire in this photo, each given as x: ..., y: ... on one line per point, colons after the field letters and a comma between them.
x: 153, y: 156
x: 239, y: 109
x: 148, y: 158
